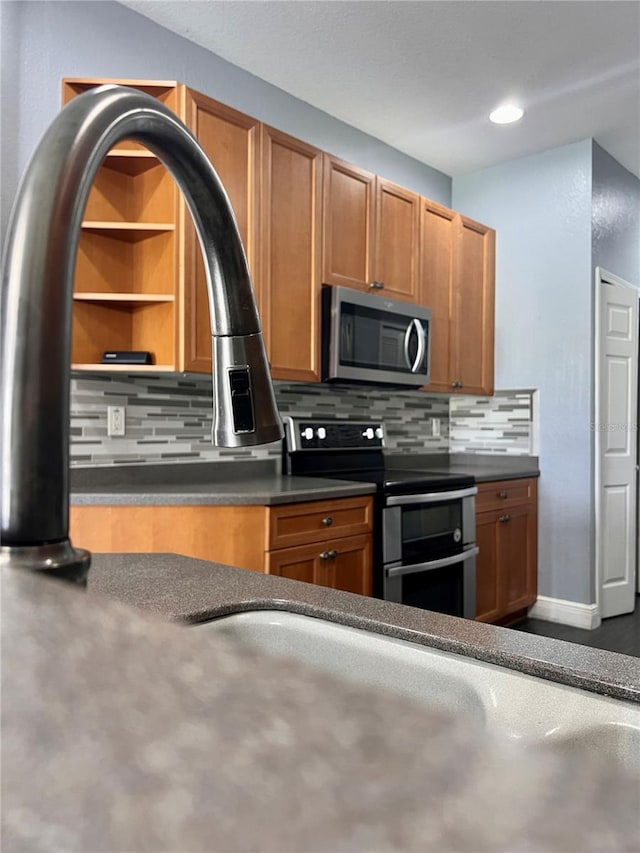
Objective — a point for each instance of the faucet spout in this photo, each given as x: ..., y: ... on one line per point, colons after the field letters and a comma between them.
x: 37, y: 289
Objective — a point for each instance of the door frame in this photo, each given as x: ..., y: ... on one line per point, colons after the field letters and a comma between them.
x: 602, y: 277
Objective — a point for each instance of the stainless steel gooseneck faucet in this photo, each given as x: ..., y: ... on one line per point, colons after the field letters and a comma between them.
x: 37, y: 287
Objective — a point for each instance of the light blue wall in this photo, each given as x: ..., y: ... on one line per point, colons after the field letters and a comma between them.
x: 105, y: 39
x: 541, y: 208
x: 615, y: 217
x: 9, y: 89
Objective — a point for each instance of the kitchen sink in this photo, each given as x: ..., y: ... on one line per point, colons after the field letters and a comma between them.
x: 514, y: 705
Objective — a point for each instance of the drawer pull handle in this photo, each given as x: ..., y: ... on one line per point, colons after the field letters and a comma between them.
x: 505, y: 518
x: 328, y: 521
x: 328, y: 555
x: 503, y: 495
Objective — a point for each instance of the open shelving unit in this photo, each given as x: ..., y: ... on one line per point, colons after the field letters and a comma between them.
x: 125, y: 289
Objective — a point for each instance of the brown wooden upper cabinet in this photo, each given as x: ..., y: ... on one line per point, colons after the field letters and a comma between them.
x: 141, y: 283
x: 125, y: 288
x: 371, y: 230
x: 457, y: 281
x: 231, y: 140
x: 289, y: 279
x: 305, y: 217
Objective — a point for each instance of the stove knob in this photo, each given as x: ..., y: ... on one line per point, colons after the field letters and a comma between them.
x: 379, y: 432
x: 368, y: 433
x: 307, y: 433
x: 321, y: 432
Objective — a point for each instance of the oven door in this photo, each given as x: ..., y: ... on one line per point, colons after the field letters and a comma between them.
x: 428, y: 550
x: 446, y: 585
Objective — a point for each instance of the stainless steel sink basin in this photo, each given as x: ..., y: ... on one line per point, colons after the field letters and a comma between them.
x: 516, y: 706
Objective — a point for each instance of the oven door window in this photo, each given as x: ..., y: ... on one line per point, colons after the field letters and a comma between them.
x: 431, y: 529
x: 440, y: 590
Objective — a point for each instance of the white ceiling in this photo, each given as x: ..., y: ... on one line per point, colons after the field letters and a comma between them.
x: 422, y: 75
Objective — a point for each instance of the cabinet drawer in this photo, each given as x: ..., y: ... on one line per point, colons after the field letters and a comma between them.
x: 504, y: 493
x: 298, y: 524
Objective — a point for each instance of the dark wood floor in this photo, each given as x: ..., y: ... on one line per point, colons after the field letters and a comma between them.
x: 617, y: 634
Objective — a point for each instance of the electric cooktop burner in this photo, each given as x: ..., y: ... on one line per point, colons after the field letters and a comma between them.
x: 353, y: 450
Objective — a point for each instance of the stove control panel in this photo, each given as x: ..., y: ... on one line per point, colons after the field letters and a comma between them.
x: 307, y: 434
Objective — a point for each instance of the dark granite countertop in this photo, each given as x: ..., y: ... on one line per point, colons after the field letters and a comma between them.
x: 263, y: 489
x: 228, y: 483
x: 123, y: 732
x: 206, y: 483
x: 189, y: 590
x: 484, y: 467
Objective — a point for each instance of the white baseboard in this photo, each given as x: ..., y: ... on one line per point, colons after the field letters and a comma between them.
x: 572, y: 613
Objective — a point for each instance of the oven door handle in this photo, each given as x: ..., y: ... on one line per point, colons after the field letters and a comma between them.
x: 432, y: 497
x: 396, y: 571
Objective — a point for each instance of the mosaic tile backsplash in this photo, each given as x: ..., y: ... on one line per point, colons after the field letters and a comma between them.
x: 502, y: 424
x: 168, y: 419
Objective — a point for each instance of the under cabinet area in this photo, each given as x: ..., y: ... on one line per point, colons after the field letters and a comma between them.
x: 507, y: 536
x: 323, y: 542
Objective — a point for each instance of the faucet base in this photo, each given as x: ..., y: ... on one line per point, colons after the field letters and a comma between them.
x: 60, y: 560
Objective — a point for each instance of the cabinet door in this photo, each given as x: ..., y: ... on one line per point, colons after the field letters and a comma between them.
x: 231, y: 141
x: 351, y: 569
x: 397, y: 234
x: 348, y: 224
x: 474, y: 277
x: 507, y: 565
x: 299, y: 564
x: 290, y: 223
x: 437, y: 232
x: 517, y: 534
x: 489, y: 606
x: 344, y: 564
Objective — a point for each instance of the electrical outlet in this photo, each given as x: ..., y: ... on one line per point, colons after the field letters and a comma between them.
x: 435, y: 427
x: 115, y: 420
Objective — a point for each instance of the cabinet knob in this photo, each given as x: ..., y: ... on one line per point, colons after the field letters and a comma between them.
x: 505, y: 518
x: 456, y: 384
x: 503, y: 495
x: 377, y: 285
x: 328, y: 521
x: 328, y: 555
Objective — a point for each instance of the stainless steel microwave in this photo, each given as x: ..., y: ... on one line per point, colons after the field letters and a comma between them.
x: 368, y: 338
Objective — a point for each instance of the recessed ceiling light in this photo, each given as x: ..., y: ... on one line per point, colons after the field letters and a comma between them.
x: 506, y: 114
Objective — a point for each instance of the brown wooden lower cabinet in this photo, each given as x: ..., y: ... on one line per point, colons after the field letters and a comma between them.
x: 345, y: 564
x: 323, y: 542
x: 507, y: 535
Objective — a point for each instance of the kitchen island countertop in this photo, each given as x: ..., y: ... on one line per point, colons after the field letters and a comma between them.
x: 124, y: 732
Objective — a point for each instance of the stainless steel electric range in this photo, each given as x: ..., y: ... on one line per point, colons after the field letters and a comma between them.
x: 424, y: 521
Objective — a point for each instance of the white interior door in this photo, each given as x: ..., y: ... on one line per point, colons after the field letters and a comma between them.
x: 616, y: 443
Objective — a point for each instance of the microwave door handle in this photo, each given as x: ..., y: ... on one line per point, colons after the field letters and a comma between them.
x: 417, y: 325
x: 397, y: 571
